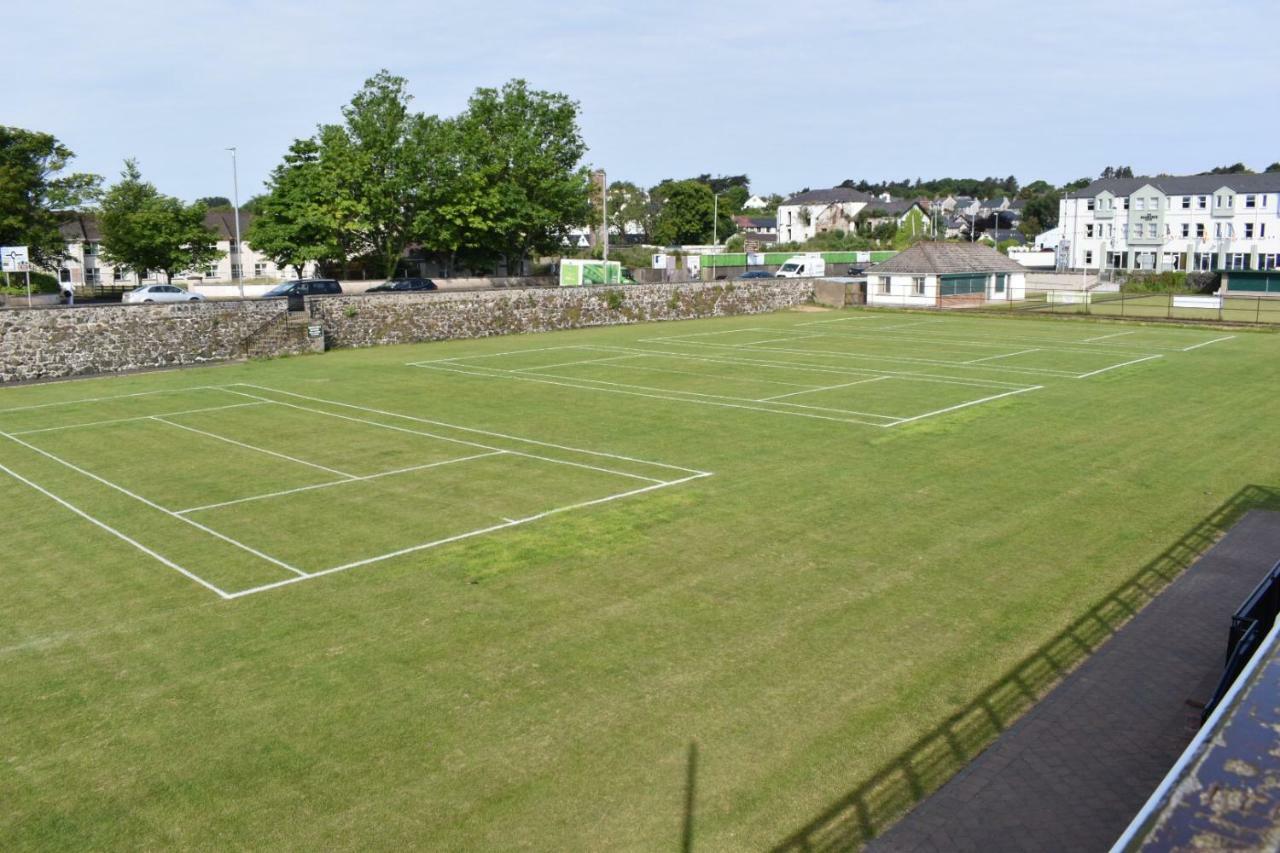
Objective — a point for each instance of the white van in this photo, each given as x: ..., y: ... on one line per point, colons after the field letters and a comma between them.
x: 803, y: 266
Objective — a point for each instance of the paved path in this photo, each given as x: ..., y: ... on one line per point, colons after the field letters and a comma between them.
x: 1072, y: 773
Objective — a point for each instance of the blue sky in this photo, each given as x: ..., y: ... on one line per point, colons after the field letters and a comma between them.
x: 793, y: 94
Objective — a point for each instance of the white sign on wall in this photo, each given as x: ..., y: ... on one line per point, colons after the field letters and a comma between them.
x: 659, y: 261
x: 14, y: 259
x: 755, y: 259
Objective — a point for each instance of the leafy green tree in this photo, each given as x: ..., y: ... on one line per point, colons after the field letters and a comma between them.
x: 380, y: 165
x: 1274, y: 167
x: 33, y: 192
x: 293, y: 224
x: 628, y: 204
x: 686, y: 215
x: 1040, y: 212
x: 1077, y: 184
x: 1233, y: 169
x: 215, y: 202
x: 527, y: 148
x: 145, y: 230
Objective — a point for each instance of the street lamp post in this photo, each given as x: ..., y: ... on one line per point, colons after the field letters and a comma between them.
x: 235, y: 193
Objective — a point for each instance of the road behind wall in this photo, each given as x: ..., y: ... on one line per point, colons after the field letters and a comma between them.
x: 60, y: 342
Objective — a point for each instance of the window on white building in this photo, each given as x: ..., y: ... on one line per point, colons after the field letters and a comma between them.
x: 120, y: 274
x: 237, y: 271
x: 211, y: 271
x: 1237, y: 261
x: 1088, y: 257
x: 1206, y: 261
x: 1088, y: 230
x: 917, y: 285
x: 1267, y: 262
x: 1217, y: 229
x: 1089, y: 204
x: 1202, y: 201
x: 259, y: 269
x: 1200, y: 230
x: 90, y: 250
x: 1186, y: 229
x: 92, y: 275
x: 1262, y: 229
x: 1186, y: 201
x: 1126, y: 202
x: 1151, y: 230
x: 1140, y: 204
x: 1248, y: 229
x: 884, y: 284
x: 64, y: 274
x: 1250, y: 201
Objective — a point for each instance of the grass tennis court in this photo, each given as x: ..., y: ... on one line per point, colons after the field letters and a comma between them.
x: 1234, y: 308
x: 487, y: 593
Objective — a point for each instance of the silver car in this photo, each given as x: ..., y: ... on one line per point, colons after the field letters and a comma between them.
x: 160, y: 293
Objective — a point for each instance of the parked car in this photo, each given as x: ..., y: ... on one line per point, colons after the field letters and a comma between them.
x: 160, y: 293
x: 305, y: 287
x: 402, y: 285
x: 756, y: 274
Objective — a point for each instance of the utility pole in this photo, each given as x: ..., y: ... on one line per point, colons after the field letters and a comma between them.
x: 235, y: 194
x: 715, y: 219
x: 604, y: 208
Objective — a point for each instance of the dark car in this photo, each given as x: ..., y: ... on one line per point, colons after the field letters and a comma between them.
x: 755, y: 274
x: 306, y: 287
x: 401, y: 285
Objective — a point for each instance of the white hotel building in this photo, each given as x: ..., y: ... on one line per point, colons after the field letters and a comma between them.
x: 1193, y: 222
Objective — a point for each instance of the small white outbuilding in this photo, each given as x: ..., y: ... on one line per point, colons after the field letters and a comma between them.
x: 935, y: 274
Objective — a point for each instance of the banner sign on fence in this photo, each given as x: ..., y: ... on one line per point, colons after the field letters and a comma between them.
x: 14, y: 259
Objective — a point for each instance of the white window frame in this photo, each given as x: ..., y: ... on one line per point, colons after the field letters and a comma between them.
x: 1251, y: 201
x: 917, y: 285
x: 886, y: 284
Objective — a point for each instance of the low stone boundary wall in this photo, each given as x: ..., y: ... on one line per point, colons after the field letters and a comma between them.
x: 60, y: 342
x: 355, y: 321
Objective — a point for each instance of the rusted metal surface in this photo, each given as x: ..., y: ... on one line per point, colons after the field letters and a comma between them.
x: 1228, y: 796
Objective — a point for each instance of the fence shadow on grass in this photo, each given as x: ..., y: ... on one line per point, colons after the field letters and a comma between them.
x: 922, y: 768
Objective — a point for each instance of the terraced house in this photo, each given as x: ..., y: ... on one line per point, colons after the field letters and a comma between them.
x: 1189, y: 222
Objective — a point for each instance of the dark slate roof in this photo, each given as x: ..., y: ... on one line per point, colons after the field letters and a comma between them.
x: 80, y: 228
x: 943, y: 258
x: 896, y: 208
x: 223, y: 222
x: 1182, y: 184
x: 831, y: 196
x: 83, y: 227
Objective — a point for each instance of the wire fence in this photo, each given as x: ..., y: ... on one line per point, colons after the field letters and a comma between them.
x: 1221, y: 308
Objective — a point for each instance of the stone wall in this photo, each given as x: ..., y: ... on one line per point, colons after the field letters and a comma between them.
x: 356, y: 321
x: 61, y: 342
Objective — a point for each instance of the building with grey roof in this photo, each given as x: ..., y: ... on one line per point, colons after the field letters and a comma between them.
x: 812, y: 212
x: 1173, y: 222
x: 934, y: 274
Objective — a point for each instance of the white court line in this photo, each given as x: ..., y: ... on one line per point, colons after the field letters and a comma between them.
x: 1206, y: 343
x: 842, y: 320
x: 377, y: 476
x: 560, y: 364
x: 1003, y: 355
x: 474, y: 430
x: 966, y: 405
x: 720, y: 376
x: 112, y: 397
x: 500, y: 374
x: 258, y: 449
x: 909, y: 325
x: 827, y: 388
x: 116, y: 533
x: 460, y: 441
x: 809, y: 367
x: 893, y: 359
x: 468, y: 535
x: 941, y: 339
x: 155, y: 505
x: 578, y: 387
x: 1104, y: 337
x: 136, y: 418
x: 1114, y: 366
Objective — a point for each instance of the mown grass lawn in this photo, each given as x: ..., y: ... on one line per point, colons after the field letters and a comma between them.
x: 804, y: 615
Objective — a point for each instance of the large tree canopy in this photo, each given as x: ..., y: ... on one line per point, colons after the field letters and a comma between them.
x: 144, y: 230
x: 33, y: 190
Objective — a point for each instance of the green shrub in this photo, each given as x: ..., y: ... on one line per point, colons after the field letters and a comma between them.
x: 1171, y: 282
x: 41, y: 282
x: 614, y: 299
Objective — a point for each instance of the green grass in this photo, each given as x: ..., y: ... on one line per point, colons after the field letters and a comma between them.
x: 851, y: 605
x: 1152, y: 306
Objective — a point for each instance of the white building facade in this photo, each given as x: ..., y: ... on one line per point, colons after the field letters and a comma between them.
x: 813, y: 212
x: 938, y: 274
x: 84, y: 266
x: 1193, y: 222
